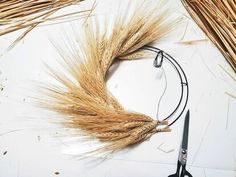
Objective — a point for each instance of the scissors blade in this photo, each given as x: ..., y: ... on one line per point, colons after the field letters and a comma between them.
x: 185, y: 133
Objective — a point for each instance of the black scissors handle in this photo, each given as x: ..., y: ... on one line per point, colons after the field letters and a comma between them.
x: 183, y: 172
x: 177, y: 171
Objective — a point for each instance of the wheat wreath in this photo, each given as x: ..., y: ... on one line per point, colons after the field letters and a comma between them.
x: 83, y: 96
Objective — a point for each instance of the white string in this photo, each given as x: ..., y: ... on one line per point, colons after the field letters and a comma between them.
x: 159, y: 101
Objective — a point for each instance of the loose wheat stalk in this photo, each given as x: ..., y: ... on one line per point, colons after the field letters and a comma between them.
x: 217, y: 19
x: 16, y: 15
x: 85, y: 100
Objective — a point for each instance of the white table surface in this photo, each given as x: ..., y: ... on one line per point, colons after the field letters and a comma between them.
x: 34, y: 148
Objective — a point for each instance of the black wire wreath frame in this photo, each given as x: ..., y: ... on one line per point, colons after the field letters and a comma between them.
x: 160, y: 56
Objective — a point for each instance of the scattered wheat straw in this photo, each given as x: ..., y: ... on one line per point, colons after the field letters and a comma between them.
x: 192, y: 42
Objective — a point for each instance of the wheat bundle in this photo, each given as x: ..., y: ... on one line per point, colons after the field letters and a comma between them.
x: 217, y: 19
x: 18, y: 14
x: 83, y: 96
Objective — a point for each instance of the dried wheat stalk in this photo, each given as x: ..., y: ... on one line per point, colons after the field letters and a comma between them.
x: 217, y: 19
x: 85, y: 99
x: 19, y: 14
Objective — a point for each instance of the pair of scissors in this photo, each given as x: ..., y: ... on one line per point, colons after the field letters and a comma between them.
x: 183, y: 151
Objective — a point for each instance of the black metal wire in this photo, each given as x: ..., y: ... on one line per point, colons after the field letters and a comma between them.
x: 183, y: 79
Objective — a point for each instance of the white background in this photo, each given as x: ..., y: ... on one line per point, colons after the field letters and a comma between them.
x: 33, y: 144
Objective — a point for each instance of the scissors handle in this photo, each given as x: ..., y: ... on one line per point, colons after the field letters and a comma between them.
x: 184, y: 172
x: 177, y: 171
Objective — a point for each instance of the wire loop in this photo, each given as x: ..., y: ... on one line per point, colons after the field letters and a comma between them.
x: 158, y: 63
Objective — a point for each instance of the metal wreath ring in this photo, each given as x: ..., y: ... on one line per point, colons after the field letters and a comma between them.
x: 161, y: 55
